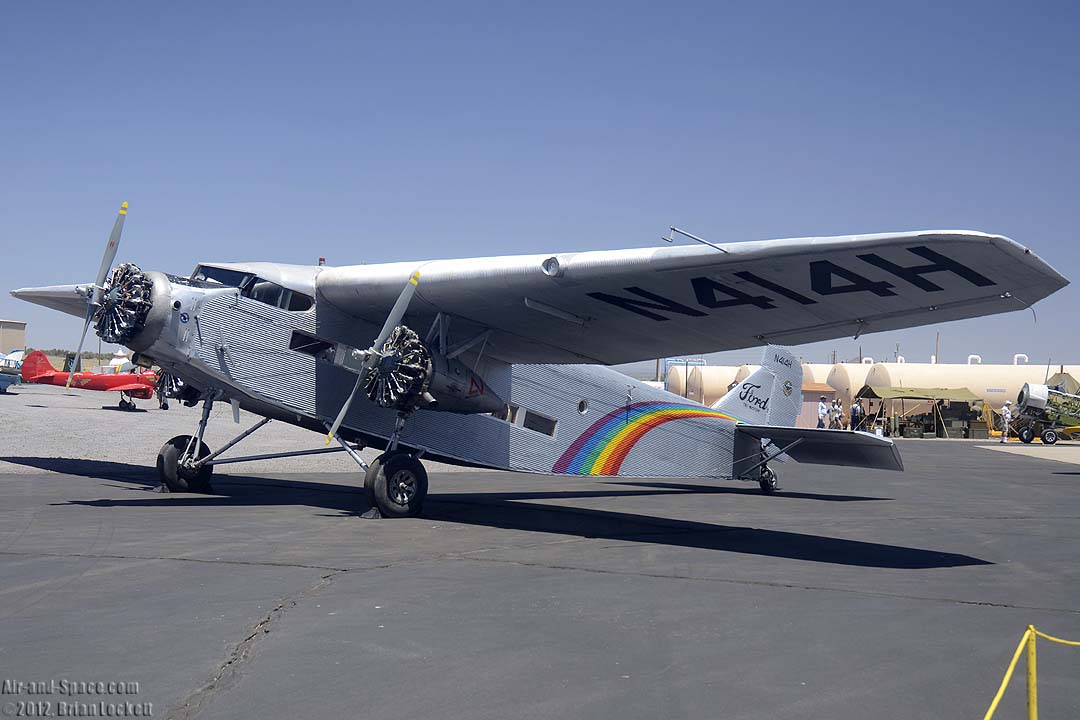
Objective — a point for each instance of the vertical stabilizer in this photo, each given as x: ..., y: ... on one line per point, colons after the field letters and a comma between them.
x: 36, y: 366
x: 770, y: 396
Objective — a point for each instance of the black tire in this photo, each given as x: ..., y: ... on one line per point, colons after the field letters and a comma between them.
x: 768, y: 481
x: 182, y: 479
x: 396, y: 483
x: 1049, y: 436
x: 1026, y: 434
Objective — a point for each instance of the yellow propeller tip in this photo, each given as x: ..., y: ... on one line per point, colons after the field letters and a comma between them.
x: 329, y: 437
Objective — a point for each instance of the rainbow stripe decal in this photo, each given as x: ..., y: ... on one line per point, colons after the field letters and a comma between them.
x: 602, y: 448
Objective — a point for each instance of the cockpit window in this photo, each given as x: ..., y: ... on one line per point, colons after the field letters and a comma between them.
x: 253, y: 287
x: 220, y: 276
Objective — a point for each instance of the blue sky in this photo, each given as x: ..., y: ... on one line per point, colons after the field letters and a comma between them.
x: 397, y: 131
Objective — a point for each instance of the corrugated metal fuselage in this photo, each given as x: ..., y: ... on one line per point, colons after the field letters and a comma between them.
x: 572, y: 419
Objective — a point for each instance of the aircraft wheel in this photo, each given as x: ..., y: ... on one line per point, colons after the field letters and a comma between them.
x: 182, y: 478
x: 396, y: 483
x: 1026, y: 434
x: 1049, y: 436
x: 768, y: 480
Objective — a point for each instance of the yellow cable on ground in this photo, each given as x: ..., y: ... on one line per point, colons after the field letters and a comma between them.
x: 1008, y: 676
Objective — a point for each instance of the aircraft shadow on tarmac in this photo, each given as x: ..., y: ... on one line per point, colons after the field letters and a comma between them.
x: 505, y: 510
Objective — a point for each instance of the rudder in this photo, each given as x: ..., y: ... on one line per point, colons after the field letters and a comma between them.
x: 35, y: 366
x: 770, y: 396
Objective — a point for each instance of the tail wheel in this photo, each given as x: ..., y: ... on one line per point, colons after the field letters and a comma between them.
x: 181, y: 477
x: 1026, y: 434
x: 1049, y: 436
x: 396, y: 483
x: 768, y: 480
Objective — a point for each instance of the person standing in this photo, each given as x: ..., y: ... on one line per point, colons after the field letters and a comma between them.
x: 822, y: 412
x: 856, y: 414
x: 1006, y: 420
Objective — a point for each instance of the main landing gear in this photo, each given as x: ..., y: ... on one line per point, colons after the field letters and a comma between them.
x: 395, y: 483
x: 181, y: 461
x: 126, y: 403
x: 768, y: 480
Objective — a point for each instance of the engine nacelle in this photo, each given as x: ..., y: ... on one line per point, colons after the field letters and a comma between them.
x: 1049, y: 405
x: 1032, y: 398
x: 456, y: 388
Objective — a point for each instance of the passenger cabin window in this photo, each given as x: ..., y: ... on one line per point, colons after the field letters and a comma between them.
x: 539, y: 423
x: 273, y: 294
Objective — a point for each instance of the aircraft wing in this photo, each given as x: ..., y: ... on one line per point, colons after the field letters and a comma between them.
x: 140, y: 390
x: 817, y: 446
x: 626, y: 305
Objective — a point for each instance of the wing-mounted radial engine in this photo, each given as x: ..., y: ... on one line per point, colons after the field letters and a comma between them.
x: 407, y: 375
x: 400, y: 378
x: 399, y: 372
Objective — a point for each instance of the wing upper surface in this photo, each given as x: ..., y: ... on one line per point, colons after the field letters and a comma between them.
x: 626, y: 305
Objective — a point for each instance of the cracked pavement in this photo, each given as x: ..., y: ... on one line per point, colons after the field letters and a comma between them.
x: 850, y: 593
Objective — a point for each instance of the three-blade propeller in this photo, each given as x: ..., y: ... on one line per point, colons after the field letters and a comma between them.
x: 92, y: 298
x: 374, y: 353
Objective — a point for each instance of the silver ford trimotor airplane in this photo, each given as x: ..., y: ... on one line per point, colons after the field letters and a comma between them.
x: 499, y: 362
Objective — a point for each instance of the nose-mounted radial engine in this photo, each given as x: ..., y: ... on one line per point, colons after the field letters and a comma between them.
x: 125, y: 301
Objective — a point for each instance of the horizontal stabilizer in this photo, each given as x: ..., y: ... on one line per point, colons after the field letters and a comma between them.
x: 818, y: 446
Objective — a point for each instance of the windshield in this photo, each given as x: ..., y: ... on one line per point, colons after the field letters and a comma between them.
x: 220, y: 276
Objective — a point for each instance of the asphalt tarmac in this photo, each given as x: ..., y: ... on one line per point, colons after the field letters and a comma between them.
x: 849, y: 595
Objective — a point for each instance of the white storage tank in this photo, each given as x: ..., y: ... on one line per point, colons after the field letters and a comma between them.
x: 675, y: 380
x: 709, y: 383
x: 993, y: 383
x: 847, y: 379
x: 815, y: 372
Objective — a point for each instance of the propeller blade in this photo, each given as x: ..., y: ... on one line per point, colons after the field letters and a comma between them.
x: 92, y: 298
x: 344, y: 409
x: 76, y: 364
x: 110, y: 251
x: 397, y: 312
x: 392, y: 321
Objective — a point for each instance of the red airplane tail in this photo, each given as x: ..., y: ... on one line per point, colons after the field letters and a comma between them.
x: 36, y: 366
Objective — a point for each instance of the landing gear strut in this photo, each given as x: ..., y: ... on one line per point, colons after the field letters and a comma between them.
x: 179, y: 463
x: 395, y: 483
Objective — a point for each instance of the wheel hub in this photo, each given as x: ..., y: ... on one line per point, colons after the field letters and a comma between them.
x: 402, y: 487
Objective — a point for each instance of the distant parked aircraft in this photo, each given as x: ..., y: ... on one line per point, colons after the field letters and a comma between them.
x: 36, y: 368
x: 9, y: 369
